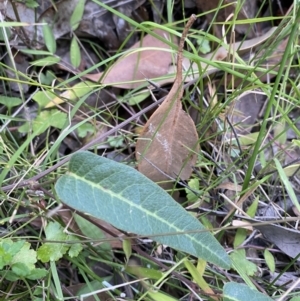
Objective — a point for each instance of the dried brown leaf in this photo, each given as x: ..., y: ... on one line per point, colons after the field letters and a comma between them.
x: 138, y: 65
x: 238, y: 48
x: 168, y: 145
x: 230, y: 186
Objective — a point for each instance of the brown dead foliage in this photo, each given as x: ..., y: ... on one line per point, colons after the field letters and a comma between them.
x: 168, y: 146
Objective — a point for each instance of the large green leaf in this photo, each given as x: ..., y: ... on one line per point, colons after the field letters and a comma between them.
x: 128, y: 200
x: 240, y: 292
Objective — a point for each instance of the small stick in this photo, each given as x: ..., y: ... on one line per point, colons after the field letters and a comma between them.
x: 177, y: 88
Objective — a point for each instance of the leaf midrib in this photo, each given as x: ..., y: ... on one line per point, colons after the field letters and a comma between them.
x: 140, y: 208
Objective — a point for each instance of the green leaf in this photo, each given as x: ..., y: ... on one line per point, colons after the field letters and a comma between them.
x: 204, y: 46
x: 242, y: 233
x: 197, y: 277
x: 48, y: 78
x: 43, y: 98
x: 35, y: 52
x: 296, y: 142
x: 287, y: 184
x: 248, y: 139
x: 8, y: 117
x: 240, y: 236
x: 24, y: 128
x: 138, y: 97
x: 89, y: 287
x: 280, y: 131
x: 14, y: 247
x: 84, y: 129
x: 49, y: 118
x: 291, y: 170
x: 243, y: 266
x: 32, y: 4
x: 251, y: 211
x: 37, y: 274
x: 92, y: 232
x: 20, y: 257
x: 25, y: 256
x: 20, y: 269
x: 8, y: 249
x: 77, y: 14
x: 9, y: 275
x: 75, y: 54
x: 120, y: 195
x: 270, y: 261
x: 53, y: 251
x: 10, y: 102
x: 47, y: 61
x: 115, y: 141
x: 240, y: 292
x: 191, y: 196
x: 75, y: 248
x: 44, y: 120
x: 49, y: 38
x: 5, y: 258
x: 127, y: 248
x: 13, y: 24
x: 144, y: 272
x: 239, y: 257
x: 74, y: 93
x: 158, y: 296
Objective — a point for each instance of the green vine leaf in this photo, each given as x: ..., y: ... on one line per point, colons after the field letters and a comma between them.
x: 123, y: 197
x: 53, y: 251
x: 17, y: 261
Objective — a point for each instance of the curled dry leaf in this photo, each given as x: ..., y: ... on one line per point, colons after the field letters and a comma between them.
x: 168, y: 144
x: 131, y: 69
